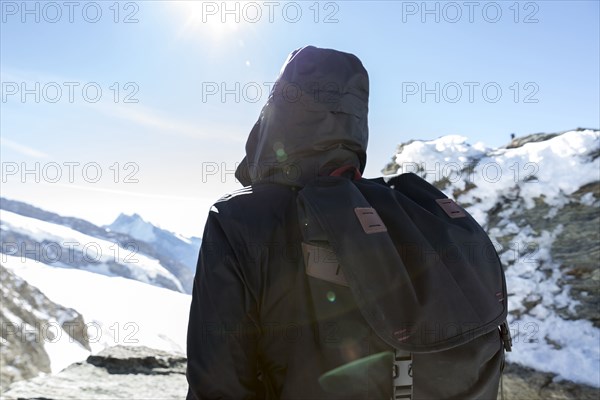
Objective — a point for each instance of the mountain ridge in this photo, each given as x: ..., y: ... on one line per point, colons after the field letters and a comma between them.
x: 168, y: 251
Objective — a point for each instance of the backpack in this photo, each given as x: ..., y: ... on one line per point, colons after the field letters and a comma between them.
x: 408, y: 291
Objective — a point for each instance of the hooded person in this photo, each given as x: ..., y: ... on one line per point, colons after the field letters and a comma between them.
x: 314, y: 283
x: 315, y: 120
x: 252, y: 330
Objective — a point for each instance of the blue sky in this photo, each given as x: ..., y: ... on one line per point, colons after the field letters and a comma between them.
x: 161, y: 140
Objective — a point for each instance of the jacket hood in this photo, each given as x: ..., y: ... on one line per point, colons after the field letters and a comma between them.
x: 314, y: 121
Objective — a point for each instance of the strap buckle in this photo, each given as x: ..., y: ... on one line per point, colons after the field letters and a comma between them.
x: 402, y: 374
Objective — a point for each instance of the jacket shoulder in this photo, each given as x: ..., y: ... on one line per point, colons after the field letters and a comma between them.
x: 256, y: 205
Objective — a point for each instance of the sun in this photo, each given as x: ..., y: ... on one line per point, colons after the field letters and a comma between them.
x: 210, y: 18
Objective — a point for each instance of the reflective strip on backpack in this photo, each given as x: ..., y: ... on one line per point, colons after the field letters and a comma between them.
x: 403, y: 381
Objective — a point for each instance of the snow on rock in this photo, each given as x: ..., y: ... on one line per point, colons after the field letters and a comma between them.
x: 447, y: 149
x: 116, y: 310
x: 527, y: 196
x: 38, y: 335
x: 552, y: 169
x: 62, y: 350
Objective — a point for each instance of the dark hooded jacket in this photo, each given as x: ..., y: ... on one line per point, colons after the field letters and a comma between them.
x: 252, y: 332
x: 261, y: 328
x: 315, y: 120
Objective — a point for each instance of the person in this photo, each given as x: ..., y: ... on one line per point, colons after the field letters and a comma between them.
x: 252, y: 332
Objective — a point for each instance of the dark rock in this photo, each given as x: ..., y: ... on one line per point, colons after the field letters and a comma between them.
x: 392, y: 167
x: 137, y: 360
x: 535, y: 137
x: 116, y: 373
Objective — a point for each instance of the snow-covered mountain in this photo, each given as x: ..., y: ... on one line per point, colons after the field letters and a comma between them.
x: 170, y: 244
x: 130, y: 247
x: 539, y: 199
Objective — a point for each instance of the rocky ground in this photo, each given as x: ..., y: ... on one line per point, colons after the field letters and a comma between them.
x: 520, y: 383
x: 116, y: 373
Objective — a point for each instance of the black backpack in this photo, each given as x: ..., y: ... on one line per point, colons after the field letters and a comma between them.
x: 408, y: 291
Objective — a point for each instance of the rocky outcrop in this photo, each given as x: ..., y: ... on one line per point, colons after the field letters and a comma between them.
x: 576, y: 245
x: 116, y: 373
x: 29, y: 320
x: 392, y: 167
x: 536, y: 137
x: 533, y: 138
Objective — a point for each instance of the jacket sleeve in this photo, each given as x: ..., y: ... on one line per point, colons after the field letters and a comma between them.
x: 222, y: 328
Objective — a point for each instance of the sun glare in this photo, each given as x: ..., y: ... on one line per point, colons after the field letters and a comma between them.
x: 212, y: 18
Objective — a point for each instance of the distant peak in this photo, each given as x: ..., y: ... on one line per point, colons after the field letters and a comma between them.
x: 123, y: 217
x: 135, y: 226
